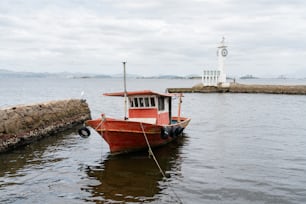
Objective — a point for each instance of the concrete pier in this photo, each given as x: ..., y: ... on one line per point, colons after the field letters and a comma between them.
x: 23, y: 124
x: 243, y: 88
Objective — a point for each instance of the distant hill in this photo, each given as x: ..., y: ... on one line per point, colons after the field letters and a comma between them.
x: 8, y: 73
x: 172, y: 77
x: 194, y: 76
x: 12, y: 74
x: 162, y: 77
x: 127, y: 75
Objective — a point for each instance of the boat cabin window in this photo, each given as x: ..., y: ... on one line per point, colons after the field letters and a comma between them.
x: 131, y: 102
x: 147, y: 104
x: 152, y: 100
x: 139, y: 102
x: 136, y: 102
x: 161, y: 103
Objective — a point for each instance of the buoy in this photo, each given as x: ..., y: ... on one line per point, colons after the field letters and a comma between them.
x: 84, y: 132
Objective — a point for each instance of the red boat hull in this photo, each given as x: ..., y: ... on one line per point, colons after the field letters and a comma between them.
x: 127, y: 136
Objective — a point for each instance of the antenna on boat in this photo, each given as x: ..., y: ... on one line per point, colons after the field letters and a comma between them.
x: 125, y: 92
x: 179, y: 107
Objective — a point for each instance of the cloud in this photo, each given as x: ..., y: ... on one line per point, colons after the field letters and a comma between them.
x: 155, y: 37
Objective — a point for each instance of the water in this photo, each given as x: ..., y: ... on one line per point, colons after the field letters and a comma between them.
x: 238, y: 148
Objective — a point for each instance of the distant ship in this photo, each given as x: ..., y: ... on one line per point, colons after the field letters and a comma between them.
x: 281, y: 77
x: 248, y: 76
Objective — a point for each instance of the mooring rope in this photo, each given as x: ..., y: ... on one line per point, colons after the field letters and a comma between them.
x: 160, y: 169
x: 151, y: 152
x: 102, y: 120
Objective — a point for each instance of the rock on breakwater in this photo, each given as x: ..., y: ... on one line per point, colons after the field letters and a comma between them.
x: 23, y: 124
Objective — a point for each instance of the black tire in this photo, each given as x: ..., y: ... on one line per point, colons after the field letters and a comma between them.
x: 164, y: 133
x: 178, y: 131
x: 84, y: 132
x: 171, y: 131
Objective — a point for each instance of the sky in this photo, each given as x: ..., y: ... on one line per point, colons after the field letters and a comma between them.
x: 265, y: 38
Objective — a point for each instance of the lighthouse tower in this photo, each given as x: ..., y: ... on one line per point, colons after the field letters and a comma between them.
x: 222, y: 53
x: 217, y: 77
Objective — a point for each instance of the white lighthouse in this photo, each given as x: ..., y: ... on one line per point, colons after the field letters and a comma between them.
x: 217, y: 77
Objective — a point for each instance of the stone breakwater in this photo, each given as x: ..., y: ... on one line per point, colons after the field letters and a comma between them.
x: 242, y: 88
x: 23, y: 124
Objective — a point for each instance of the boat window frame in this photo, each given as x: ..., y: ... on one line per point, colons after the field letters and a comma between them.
x: 142, y: 102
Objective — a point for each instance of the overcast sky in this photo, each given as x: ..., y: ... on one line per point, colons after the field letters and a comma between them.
x: 264, y: 37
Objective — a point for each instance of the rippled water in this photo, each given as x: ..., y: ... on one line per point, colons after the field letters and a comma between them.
x: 238, y: 148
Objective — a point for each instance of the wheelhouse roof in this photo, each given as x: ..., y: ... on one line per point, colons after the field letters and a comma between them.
x: 138, y: 93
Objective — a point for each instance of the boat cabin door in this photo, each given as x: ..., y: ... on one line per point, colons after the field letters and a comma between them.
x: 164, y: 109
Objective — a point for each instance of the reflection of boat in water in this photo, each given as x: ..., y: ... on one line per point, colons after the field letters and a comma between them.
x: 133, y: 177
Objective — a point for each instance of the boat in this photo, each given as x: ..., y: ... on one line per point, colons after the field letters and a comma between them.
x: 148, y: 122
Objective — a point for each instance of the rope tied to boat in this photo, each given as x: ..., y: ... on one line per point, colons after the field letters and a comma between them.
x: 151, y: 152
x: 160, y: 169
x: 103, y: 118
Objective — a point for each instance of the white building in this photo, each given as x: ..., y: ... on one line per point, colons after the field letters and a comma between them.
x: 217, y: 77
